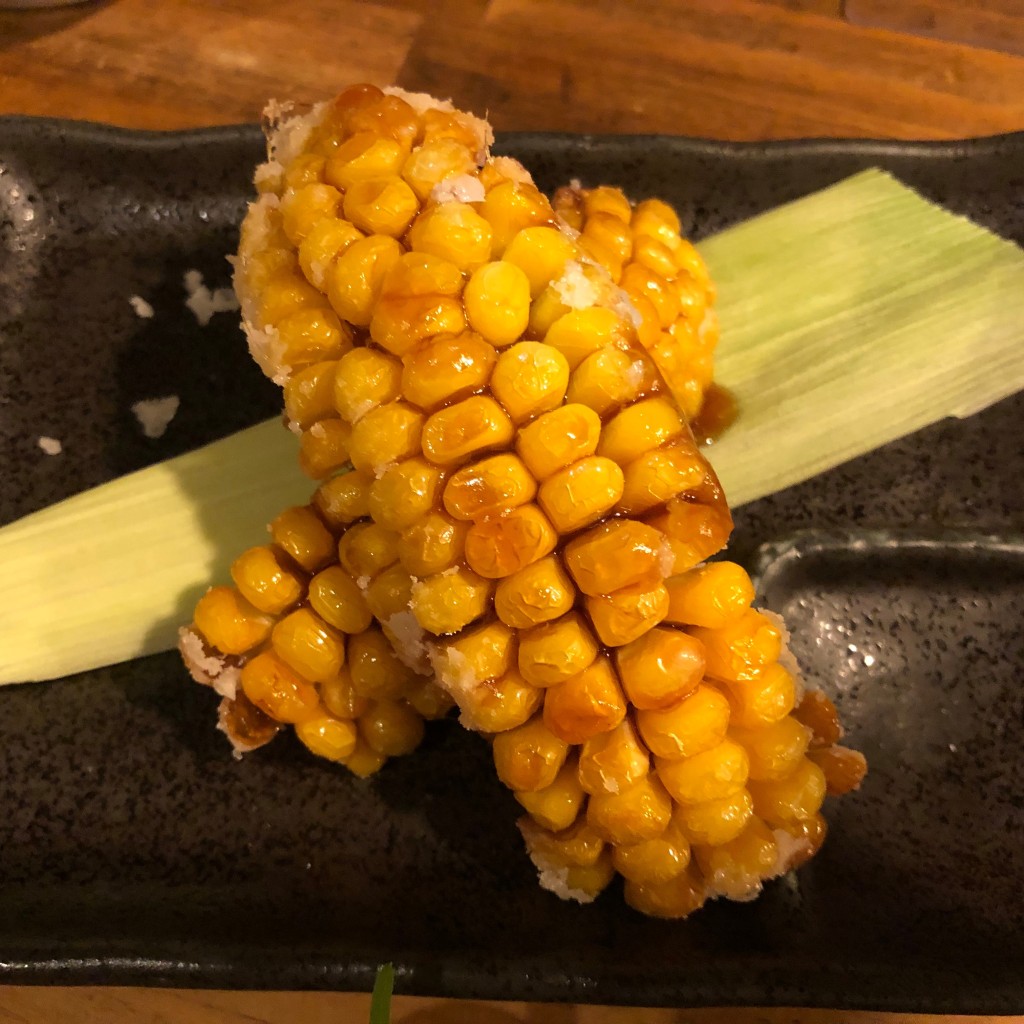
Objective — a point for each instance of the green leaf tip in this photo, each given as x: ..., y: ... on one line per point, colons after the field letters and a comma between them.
x: 380, y: 1001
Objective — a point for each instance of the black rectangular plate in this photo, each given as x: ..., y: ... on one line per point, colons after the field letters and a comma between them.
x: 134, y: 850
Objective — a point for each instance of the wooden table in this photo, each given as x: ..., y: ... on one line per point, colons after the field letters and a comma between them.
x: 730, y: 69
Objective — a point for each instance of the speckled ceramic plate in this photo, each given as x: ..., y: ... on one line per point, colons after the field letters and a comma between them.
x: 133, y: 849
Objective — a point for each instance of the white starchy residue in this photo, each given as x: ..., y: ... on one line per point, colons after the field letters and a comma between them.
x: 421, y: 102
x: 575, y: 288
x: 635, y: 374
x: 453, y: 672
x: 554, y: 877
x: 226, y: 684
x: 406, y: 636
x: 459, y: 188
x: 50, y: 445
x: 265, y: 348
x: 142, y: 308
x: 268, y: 174
x: 789, y: 848
x: 318, y: 430
x: 509, y: 167
x: 288, y: 132
x: 154, y: 414
x: 666, y: 559
x: 203, y: 302
x: 203, y: 666
x: 363, y: 582
x: 623, y: 305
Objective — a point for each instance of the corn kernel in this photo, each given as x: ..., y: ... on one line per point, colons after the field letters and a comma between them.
x: 690, y: 261
x: 615, y: 555
x: 586, y: 704
x: 364, y: 379
x: 795, y: 798
x: 374, y: 668
x: 640, y: 812
x: 428, y: 699
x: 581, y: 332
x: 299, y: 532
x: 325, y: 241
x: 661, y: 668
x: 305, y: 169
x: 805, y: 840
x: 364, y: 156
x: 612, y: 761
x: 511, y: 206
x: 366, y: 549
x: 737, y: 868
x: 446, y: 367
x: 556, y: 651
x: 466, y: 428
x: 432, y: 545
x: 455, y: 232
x: 434, y: 161
x: 607, y: 200
x: 656, y: 218
x: 763, y: 700
x: 627, y: 614
x: 419, y: 273
x: 302, y: 208
x: 556, y: 806
x: 558, y: 439
x: 392, y: 728
x: 657, y: 476
x: 267, y: 265
x: 364, y: 761
x: 677, y: 898
x: 304, y: 642
x: 336, y: 122
x: 343, y: 499
x: 229, y: 622
x: 775, y: 749
x: 696, y: 525
x: 404, y: 493
x: 640, y: 428
x: 327, y: 736
x: 340, y: 696
x: 656, y: 860
x: 530, y: 378
x: 844, y: 769
x: 715, y: 822
x: 711, y: 595
x: 264, y: 582
x: 743, y: 648
x: 355, y: 280
x: 485, y: 652
x: 583, y: 884
x: 310, y: 334
x: 387, y: 434
x: 529, y: 757
x: 337, y: 599
x: 545, y: 309
x: 498, y: 547
x: 449, y: 602
x: 819, y: 714
x: 400, y: 323
x: 389, y: 594
x: 324, y: 448
x: 582, y: 493
x: 653, y: 254
x: 662, y: 294
x: 309, y: 394
x: 578, y: 845
x: 490, y: 487
x: 605, y: 379
x: 283, y: 294
x: 389, y: 115
x: 450, y: 124
x: 537, y: 593
x: 498, y: 705
x: 712, y: 775
x: 278, y: 690
x: 541, y: 253
x: 497, y: 302
x: 696, y: 723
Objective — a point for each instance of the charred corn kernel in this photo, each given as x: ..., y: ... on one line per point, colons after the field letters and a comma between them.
x: 613, y: 761
x: 641, y: 812
x: 389, y: 115
x: 795, y: 798
x: 556, y: 651
x: 529, y: 378
x: 736, y: 869
x: 586, y: 704
x: 763, y: 700
x: 577, y: 845
x: 284, y: 294
x: 433, y: 544
x: 662, y: 294
x: 556, y: 806
x: 434, y: 161
x: 355, y: 280
x: 455, y: 232
x: 446, y: 367
x: 541, y: 253
x: 337, y: 599
x: 498, y: 547
x: 309, y: 394
x: 743, y: 648
x: 711, y: 595
x: 582, y: 493
x: 303, y: 207
x: 448, y: 602
x: 558, y: 439
x: 640, y: 428
x: 498, y: 705
x: 529, y: 757
x: 614, y: 555
x: 299, y: 532
x: 264, y: 581
x: 511, y: 206
x: 366, y: 549
x: 713, y: 775
x: 655, y: 860
x: 656, y: 476
x: 229, y: 622
x: 389, y: 594
x: 405, y: 492
x: 497, y: 302
x: 605, y: 380
x: 364, y: 379
x: 324, y: 448
x: 581, y: 332
x: 696, y: 525
x: 489, y: 488
x: 678, y: 897
x: 374, y: 668
x: 308, y: 645
x: 327, y: 736
x: 364, y: 761
x: 696, y: 723
x: 545, y: 309
x: 661, y: 668
x: 819, y: 714
x: 799, y: 841
x: 387, y: 434
x: 391, y: 727
x: 305, y: 169
x: 343, y: 499
x: 341, y: 698
x: 362, y: 157
x: 535, y: 594
x: 459, y: 431
x: 844, y: 769
x: 715, y: 821
x: 625, y: 615
x: 428, y: 699
x: 774, y: 750
x: 325, y: 241
x: 484, y: 652
x: 278, y: 690
x: 400, y: 323
x: 311, y: 334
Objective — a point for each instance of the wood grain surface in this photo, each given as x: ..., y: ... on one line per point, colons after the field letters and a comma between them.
x: 728, y: 69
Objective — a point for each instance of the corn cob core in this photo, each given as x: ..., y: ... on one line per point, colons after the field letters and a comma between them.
x: 527, y: 509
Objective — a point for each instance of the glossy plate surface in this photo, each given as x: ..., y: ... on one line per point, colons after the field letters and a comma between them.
x: 133, y: 849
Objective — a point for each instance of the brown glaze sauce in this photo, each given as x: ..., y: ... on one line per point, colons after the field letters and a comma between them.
x: 717, y: 413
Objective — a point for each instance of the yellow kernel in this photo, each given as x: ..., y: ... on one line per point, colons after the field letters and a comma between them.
x: 558, y: 439
x: 675, y: 899
x: 324, y: 448
x: 743, y: 648
x: 364, y: 761
x: 582, y: 493
x: 656, y: 218
x: 498, y: 302
x: 737, y: 868
x: 387, y: 115
x: 466, y: 428
x: 774, y: 750
x: 556, y: 651
x: 366, y: 549
x: 660, y: 668
x: 428, y: 699
x: 511, y: 206
x: 389, y: 594
x: 844, y: 769
x: 362, y: 157
x: 264, y: 582
x: 497, y: 705
x: 400, y: 323
x: 606, y: 200
x: 404, y: 493
x: 609, y: 241
x: 340, y: 696
x: 545, y: 309
x: 653, y: 861
x: 435, y: 160
x: 696, y: 525
x: 278, y: 690
x: 498, y: 547
x: 299, y: 533
x: 307, y: 644
x: 530, y: 378
x: 715, y: 821
x: 696, y: 723
x: 712, y: 775
x: 305, y: 169
x: 310, y: 334
x: 529, y: 757
x: 265, y: 265
x: 420, y: 273
x: 581, y: 332
x: 604, y: 380
x: 628, y: 613
x: 325, y: 241
x: 303, y: 207
x: 309, y: 394
x: 327, y: 736
x: 819, y: 714
x: 364, y: 379
x: 653, y: 254
x: 657, y: 476
x: 446, y: 367
x: 585, y: 705
x: 578, y: 845
x: 385, y: 435
x: 455, y: 232
x: 556, y: 806
x: 535, y: 594
x: 283, y: 294
x: 711, y: 595
x: 482, y: 653
x: 229, y: 622
x: 391, y: 727
x: 490, y: 487
x: 357, y: 276
x: 640, y: 812
x: 638, y: 279
x: 763, y: 700
x: 611, y: 762
x: 541, y: 253
x: 448, y: 602
x: 614, y: 555
x: 639, y: 428
x: 432, y: 545
x: 337, y: 599
x: 374, y: 668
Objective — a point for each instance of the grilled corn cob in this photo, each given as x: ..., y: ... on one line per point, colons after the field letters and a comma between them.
x: 527, y: 512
